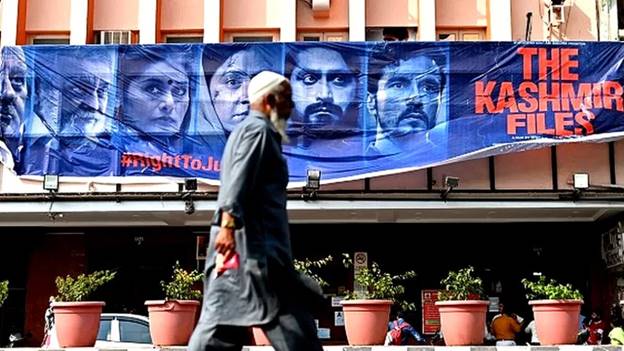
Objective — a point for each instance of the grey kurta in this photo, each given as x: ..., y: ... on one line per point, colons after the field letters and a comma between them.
x: 254, y: 176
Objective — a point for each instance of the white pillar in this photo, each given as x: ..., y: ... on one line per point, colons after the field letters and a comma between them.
x: 9, y: 22
x: 500, y: 20
x: 288, y: 30
x: 357, y: 20
x: 78, y: 22
x: 212, y: 21
x: 427, y: 20
x: 147, y: 21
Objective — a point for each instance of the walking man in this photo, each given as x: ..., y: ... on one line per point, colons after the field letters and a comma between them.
x: 250, y: 278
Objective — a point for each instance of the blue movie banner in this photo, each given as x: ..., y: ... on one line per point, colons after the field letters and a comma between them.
x: 361, y: 109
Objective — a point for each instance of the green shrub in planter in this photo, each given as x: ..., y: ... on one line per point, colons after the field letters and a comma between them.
x: 462, y: 285
x: 78, y: 289
x: 4, y: 291
x: 377, y: 284
x: 307, y: 267
x: 181, y: 285
x: 544, y: 289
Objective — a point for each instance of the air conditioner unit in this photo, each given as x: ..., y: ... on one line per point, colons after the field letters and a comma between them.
x: 116, y: 37
x: 320, y: 8
x: 557, y: 14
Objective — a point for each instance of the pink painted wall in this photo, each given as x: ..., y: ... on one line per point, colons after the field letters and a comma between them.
x: 519, y: 9
x: 580, y: 21
x: 380, y: 13
x: 584, y: 158
x: 47, y: 15
x: 116, y: 15
x: 461, y: 13
x: 245, y: 14
x: 619, y: 162
x: 524, y: 170
x: 352, y: 185
x: 338, y: 16
x: 182, y: 14
x: 404, y: 181
x: 473, y: 174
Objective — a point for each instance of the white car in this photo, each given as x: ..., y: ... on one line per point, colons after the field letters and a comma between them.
x: 119, y: 330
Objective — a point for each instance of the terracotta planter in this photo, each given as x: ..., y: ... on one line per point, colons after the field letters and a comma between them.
x: 463, y: 322
x: 556, y: 321
x: 366, y: 321
x: 77, y: 323
x: 260, y: 339
x: 171, y: 321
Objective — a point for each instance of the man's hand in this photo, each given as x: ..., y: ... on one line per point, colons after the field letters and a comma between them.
x: 225, y: 245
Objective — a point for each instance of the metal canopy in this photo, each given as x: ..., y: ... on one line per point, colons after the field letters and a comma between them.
x: 171, y: 213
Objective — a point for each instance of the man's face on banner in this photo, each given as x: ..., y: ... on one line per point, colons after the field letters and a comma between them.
x: 13, y: 90
x: 408, y: 96
x: 323, y: 88
x: 156, y: 99
x: 84, y: 94
x: 228, y: 86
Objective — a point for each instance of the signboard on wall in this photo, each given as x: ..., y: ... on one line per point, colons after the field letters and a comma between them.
x: 167, y: 110
x: 360, y: 261
x: 612, y: 246
x: 430, y: 313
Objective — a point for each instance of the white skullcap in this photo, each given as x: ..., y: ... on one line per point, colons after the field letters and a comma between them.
x: 262, y: 84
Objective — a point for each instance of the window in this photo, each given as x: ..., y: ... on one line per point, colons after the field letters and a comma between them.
x: 176, y: 39
x: 376, y: 33
x: 251, y: 37
x: 131, y: 331
x: 323, y: 36
x: 49, y: 41
x: 114, y: 37
x: 105, y: 330
x: 461, y: 35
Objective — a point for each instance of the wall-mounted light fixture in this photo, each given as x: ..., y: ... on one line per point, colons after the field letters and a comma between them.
x: 580, y: 181
x: 450, y: 183
x: 313, y: 184
x: 190, y: 186
x: 51, y: 182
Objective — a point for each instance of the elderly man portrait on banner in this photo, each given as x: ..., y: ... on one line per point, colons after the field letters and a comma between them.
x: 250, y: 279
x: 407, y: 97
x: 70, y: 131
x: 13, y: 96
x: 327, y: 83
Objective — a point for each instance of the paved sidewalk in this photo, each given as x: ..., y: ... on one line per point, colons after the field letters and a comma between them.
x: 367, y: 348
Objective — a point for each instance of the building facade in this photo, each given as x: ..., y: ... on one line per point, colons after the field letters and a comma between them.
x: 510, y: 215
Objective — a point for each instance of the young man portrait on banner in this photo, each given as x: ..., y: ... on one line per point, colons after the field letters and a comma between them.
x: 406, y: 94
x: 328, y: 90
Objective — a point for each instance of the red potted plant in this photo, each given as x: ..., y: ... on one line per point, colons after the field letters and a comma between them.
x: 366, y: 313
x: 77, y: 321
x: 556, y: 308
x: 172, y: 320
x: 462, y: 308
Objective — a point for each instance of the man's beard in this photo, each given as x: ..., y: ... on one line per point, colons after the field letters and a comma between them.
x: 280, y: 124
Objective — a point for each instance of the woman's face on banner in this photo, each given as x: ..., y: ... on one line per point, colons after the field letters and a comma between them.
x: 228, y: 86
x: 157, y: 96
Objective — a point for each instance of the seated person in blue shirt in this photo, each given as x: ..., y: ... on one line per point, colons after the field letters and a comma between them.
x: 408, y: 334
